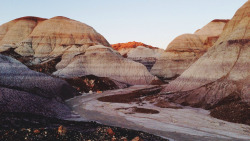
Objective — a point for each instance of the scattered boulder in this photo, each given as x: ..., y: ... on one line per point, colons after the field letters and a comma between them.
x: 110, y: 132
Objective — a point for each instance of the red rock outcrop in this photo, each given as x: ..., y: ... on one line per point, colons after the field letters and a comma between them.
x: 125, y: 48
x: 139, y: 52
x: 133, y: 44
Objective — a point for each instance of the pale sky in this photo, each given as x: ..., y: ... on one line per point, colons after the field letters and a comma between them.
x: 153, y: 22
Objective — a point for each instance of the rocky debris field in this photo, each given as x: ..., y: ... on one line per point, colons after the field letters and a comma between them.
x: 47, y: 67
x: 93, y: 83
x: 20, y: 126
x: 232, y: 109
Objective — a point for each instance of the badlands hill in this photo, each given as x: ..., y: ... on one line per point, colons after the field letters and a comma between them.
x: 47, y: 37
x: 221, y: 77
x: 27, y: 91
x: 104, y: 62
x: 56, y: 44
x: 139, y: 52
x: 185, y: 49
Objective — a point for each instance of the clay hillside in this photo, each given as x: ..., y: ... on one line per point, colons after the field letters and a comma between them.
x: 185, y: 49
x: 67, y: 48
x: 221, y: 77
x: 47, y: 37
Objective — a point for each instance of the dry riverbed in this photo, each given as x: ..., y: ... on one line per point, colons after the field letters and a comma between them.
x: 130, y: 108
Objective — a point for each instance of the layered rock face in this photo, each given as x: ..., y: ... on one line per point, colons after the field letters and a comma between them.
x: 104, y: 62
x: 18, y: 29
x: 184, y: 50
x: 32, y: 36
x: 58, y: 34
x: 139, y: 52
x: 223, y: 71
x: 24, y: 90
x: 15, y: 31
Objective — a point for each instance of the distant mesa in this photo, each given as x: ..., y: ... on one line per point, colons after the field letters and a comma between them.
x: 133, y: 44
x: 139, y: 52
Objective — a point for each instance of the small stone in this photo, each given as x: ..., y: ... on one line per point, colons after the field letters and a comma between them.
x: 99, y: 92
x: 110, y: 132
x: 62, y: 130
x: 137, y: 139
x: 36, y: 131
x: 124, y: 139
